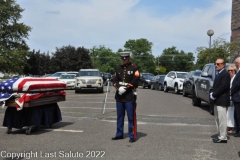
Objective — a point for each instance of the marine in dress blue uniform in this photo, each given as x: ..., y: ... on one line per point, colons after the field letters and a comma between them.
x: 125, y: 81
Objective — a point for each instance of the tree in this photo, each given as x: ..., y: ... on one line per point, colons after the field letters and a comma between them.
x: 67, y: 58
x: 13, y: 35
x: 37, y: 63
x: 220, y: 49
x: 104, y: 59
x: 174, y: 60
x: 141, y: 54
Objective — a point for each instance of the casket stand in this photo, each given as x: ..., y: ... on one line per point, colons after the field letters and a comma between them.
x: 43, y: 111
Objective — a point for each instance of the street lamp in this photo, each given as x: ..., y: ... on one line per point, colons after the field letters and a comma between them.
x: 209, y: 33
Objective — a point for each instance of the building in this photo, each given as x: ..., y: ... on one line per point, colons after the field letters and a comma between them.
x: 235, y: 27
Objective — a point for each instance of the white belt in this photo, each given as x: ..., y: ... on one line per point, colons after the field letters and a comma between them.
x: 122, y: 83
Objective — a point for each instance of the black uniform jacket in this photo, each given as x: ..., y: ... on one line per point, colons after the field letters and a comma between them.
x: 221, y: 89
x: 235, y: 90
x: 128, y: 76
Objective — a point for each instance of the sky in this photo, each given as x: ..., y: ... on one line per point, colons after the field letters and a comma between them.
x: 88, y: 23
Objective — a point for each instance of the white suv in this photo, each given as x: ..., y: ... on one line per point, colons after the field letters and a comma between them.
x: 174, y: 81
x: 89, y: 79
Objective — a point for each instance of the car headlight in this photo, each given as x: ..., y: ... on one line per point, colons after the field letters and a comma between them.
x: 70, y: 82
x: 181, y: 80
x: 99, y: 80
x: 81, y: 80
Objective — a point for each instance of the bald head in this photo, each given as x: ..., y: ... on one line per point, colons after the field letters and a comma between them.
x: 237, y: 62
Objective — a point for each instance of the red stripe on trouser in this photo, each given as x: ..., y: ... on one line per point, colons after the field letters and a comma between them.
x: 135, y: 121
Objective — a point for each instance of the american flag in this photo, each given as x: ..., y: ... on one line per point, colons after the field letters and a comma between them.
x: 31, y: 85
x: 29, y: 89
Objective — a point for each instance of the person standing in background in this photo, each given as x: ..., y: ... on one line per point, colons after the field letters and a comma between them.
x: 221, y: 96
x: 232, y: 70
x: 235, y: 94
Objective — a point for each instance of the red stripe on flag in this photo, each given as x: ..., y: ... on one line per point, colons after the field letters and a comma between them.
x: 25, y: 80
x: 48, y: 86
x: 29, y: 97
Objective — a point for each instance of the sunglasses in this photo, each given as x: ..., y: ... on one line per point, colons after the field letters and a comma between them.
x: 218, y: 64
x: 230, y: 70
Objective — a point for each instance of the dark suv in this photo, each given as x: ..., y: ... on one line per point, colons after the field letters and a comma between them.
x: 105, y: 77
x: 188, y: 83
x: 145, y: 79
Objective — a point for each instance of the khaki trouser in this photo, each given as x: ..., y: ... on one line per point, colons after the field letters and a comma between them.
x: 221, y: 121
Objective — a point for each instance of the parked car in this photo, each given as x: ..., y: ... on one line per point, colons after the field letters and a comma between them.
x: 89, y: 79
x: 158, y: 82
x: 69, y: 79
x: 106, y: 76
x: 144, y: 79
x: 46, y: 75
x: 73, y: 72
x: 174, y: 81
x: 57, y: 74
x: 188, y: 83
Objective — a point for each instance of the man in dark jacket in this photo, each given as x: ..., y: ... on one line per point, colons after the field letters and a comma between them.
x: 125, y: 81
x: 235, y: 93
x: 221, y: 96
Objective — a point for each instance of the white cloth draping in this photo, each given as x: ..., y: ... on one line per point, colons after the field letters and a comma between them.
x: 230, y: 110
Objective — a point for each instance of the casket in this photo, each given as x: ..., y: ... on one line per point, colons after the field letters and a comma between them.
x: 54, y: 98
x: 30, y: 92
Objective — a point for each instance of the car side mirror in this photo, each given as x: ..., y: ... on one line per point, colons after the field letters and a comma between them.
x: 173, y: 77
x: 205, y: 74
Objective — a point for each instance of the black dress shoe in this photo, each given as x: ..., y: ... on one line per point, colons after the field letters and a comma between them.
x: 237, y: 135
x: 219, y: 141
x: 117, y: 138
x: 132, y: 140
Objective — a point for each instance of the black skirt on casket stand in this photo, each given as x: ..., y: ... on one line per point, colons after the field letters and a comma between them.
x: 43, y: 115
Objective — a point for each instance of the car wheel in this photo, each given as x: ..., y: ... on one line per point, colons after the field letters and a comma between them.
x: 76, y: 91
x: 101, y: 90
x: 176, y: 91
x: 152, y: 88
x: 160, y: 87
x: 184, y: 92
x: 195, y: 101
x: 165, y: 88
x: 143, y: 85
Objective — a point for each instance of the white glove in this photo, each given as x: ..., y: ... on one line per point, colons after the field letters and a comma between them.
x: 121, y: 90
x: 212, y: 96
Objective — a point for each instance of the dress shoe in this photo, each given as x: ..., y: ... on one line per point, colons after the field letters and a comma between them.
x: 132, y: 140
x: 219, y: 141
x: 237, y: 135
x: 117, y: 138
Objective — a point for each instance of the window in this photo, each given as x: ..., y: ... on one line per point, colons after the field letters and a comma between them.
x: 206, y: 68
x: 89, y: 73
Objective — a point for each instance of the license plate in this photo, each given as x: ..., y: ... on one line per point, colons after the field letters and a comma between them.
x: 89, y: 85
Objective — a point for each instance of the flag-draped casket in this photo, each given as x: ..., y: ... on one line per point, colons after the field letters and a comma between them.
x: 38, y: 97
x: 24, y: 90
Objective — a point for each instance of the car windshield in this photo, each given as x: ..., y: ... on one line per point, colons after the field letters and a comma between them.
x: 58, y: 74
x: 107, y: 75
x: 197, y: 73
x: 147, y: 74
x: 67, y: 76
x: 151, y: 77
x: 89, y: 73
x: 181, y: 75
x: 162, y: 77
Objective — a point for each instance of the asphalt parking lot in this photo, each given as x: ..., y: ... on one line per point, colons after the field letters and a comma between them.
x: 169, y: 127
